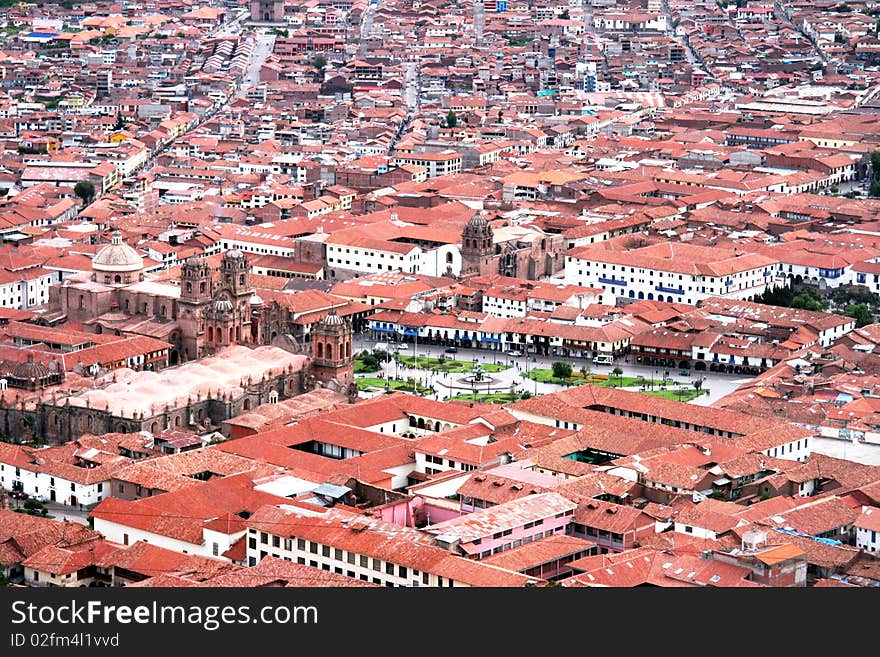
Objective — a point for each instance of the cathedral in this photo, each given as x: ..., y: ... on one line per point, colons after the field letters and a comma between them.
x: 212, y: 312
x: 210, y: 308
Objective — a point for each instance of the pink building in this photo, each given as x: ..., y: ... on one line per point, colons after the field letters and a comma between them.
x: 505, y: 526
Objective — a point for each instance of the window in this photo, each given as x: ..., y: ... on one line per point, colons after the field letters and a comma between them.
x: 425, y: 579
x: 337, y: 554
x: 288, y: 544
x: 215, y: 550
x: 264, y: 538
x: 377, y: 564
x: 688, y: 529
x: 313, y: 547
x: 389, y: 568
x: 325, y: 550
x: 276, y: 541
x: 252, y: 543
x: 350, y: 557
x: 365, y: 562
x: 100, y: 486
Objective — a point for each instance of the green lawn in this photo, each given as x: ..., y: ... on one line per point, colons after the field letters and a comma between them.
x: 491, y: 398
x: 366, y: 383
x: 682, y: 394
x: 448, y: 364
x: 546, y: 376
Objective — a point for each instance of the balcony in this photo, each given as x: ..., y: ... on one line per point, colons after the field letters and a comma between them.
x: 669, y: 290
x: 612, y: 281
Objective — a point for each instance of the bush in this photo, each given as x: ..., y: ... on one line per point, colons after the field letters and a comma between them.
x: 561, y: 370
x: 32, y: 504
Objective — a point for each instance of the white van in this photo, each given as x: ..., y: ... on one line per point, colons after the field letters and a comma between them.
x: 603, y: 359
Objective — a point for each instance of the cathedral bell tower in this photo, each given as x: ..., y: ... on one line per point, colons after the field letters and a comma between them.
x: 477, y: 246
x: 331, y: 350
x: 195, y: 297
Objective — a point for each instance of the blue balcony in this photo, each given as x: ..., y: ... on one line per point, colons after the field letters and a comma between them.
x: 669, y: 290
x: 384, y: 329
x: 410, y: 331
x: 611, y: 281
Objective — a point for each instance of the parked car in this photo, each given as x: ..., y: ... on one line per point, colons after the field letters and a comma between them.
x: 19, y: 495
x: 684, y: 373
x: 603, y: 359
x: 516, y: 353
x: 451, y: 350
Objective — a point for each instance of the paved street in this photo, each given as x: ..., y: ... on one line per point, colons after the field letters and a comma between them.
x: 850, y: 450
x: 61, y: 511
x: 262, y: 49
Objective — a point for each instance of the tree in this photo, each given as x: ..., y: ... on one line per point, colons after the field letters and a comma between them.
x: 120, y: 122
x: 85, y: 190
x: 861, y: 313
x: 618, y: 372
x: 561, y: 370
x: 697, y: 383
x: 875, y: 163
x: 320, y: 63
x: 451, y: 119
x: 806, y: 301
x: 875, y: 188
x: 585, y: 370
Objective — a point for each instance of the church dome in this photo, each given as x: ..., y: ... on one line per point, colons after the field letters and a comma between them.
x: 256, y: 300
x: 234, y: 254
x: 478, y: 221
x: 117, y: 257
x: 223, y: 305
x: 31, y: 371
x: 332, y: 319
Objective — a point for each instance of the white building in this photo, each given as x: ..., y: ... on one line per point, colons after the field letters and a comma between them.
x: 667, y: 271
x: 867, y: 528
x: 364, y: 255
x: 366, y: 548
x: 24, y: 288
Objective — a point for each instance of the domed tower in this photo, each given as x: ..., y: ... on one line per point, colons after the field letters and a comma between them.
x: 228, y: 316
x: 477, y: 245
x: 117, y: 263
x: 195, y: 297
x: 235, y: 273
x: 331, y: 350
x: 32, y: 376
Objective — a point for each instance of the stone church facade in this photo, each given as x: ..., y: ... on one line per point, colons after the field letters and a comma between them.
x: 531, y: 259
